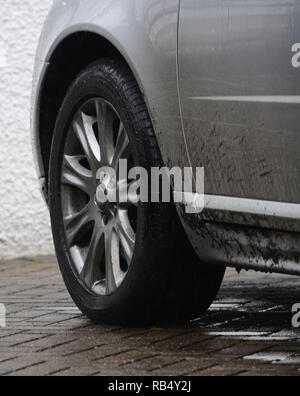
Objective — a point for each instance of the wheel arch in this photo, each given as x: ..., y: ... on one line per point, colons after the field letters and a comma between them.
x: 71, y: 55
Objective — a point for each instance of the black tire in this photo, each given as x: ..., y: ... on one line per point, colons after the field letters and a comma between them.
x: 166, y: 281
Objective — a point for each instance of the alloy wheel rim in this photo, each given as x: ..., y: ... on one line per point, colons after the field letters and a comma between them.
x: 100, y: 235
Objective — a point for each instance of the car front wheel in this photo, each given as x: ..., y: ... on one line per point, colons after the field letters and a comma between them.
x: 122, y: 263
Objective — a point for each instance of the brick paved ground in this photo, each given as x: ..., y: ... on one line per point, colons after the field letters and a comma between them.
x: 247, y: 331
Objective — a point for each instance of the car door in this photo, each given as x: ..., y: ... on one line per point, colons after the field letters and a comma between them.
x: 240, y: 98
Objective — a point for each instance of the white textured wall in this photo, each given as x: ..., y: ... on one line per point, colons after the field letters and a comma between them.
x: 24, y: 223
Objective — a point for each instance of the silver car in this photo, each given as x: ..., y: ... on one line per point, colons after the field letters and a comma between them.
x: 176, y: 83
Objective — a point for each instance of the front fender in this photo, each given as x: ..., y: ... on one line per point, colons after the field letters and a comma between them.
x: 145, y: 33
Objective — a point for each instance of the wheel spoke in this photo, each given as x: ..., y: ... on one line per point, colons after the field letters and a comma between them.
x: 126, y: 234
x: 122, y: 147
x: 111, y: 261
x: 76, y: 175
x: 83, y: 127
x: 75, y: 223
x: 91, y: 270
x: 105, y: 131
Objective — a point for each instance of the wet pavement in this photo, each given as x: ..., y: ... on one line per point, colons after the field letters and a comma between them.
x: 248, y: 330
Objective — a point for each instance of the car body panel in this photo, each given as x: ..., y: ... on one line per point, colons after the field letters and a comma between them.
x: 239, y: 99
x: 240, y: 95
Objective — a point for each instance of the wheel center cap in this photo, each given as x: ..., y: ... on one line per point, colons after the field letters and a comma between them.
x: 101, y: 197
x: 105, y: 191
